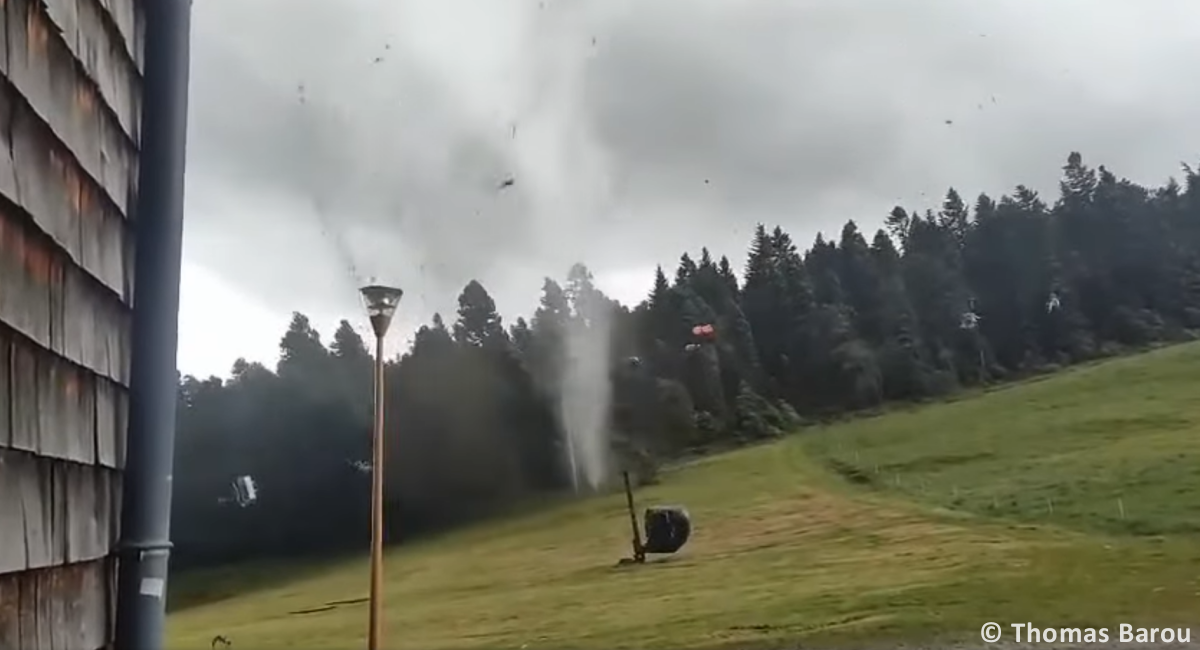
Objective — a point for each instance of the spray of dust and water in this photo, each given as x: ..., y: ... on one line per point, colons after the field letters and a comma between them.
x: 561, y: 177
x: 570, y: 176
x: 584, y: 398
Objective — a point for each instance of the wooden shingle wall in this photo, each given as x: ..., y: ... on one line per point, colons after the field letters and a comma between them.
x: 70, y: 109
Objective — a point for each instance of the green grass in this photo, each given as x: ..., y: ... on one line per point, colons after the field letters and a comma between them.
x: 925, y: 523
x: 1110, y: 448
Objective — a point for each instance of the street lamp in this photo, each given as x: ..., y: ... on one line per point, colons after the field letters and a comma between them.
x: 381, y: 304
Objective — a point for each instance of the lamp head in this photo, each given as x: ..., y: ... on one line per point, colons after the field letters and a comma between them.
x: 381, y: 303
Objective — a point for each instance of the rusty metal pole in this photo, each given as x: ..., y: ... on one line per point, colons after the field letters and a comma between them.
x: 376, y: 620
x: 381, y: 304
x: 639, y: 554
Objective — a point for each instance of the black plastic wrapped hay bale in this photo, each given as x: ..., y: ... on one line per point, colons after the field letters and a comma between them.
x: 667, y: 529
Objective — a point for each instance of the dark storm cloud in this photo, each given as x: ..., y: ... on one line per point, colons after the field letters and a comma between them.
x: 325, y: 131
x: 642, y: 128
x: 812, y: 113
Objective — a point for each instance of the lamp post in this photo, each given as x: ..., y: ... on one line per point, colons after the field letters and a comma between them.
x: 381, y: 304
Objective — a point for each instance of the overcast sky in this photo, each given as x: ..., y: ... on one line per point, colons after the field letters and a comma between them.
x: 335, y: 142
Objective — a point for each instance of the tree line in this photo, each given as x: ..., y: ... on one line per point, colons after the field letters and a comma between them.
x: 937, y: 300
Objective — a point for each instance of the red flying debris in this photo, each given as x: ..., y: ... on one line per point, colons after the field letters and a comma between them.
x: 703, y: 334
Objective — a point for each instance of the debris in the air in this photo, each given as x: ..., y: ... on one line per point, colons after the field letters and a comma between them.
x: 387, y: 46
x: 704, y: 333
x: 361, y: 466
x: 706, y: 181
x: 245, y: 491
x: 993, y: 99
x: 222, y: 640
x: 508, y: 182
x: 513, y: 131
x: 593, y: 41
x: 378, y: 59
x: 1053, y: 303
x: 969, y: 320
x: 950, y: 122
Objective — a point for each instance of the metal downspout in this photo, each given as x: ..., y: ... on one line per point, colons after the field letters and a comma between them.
x: 144, y: 549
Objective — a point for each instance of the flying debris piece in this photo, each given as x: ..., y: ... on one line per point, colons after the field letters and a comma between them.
x: 507, y: 183
x: 378, y: 59
x: 1053, y: 303
x: 361, y: 466
x: 704, y: 332
x: 225, y: 643
x: 387, y: 46
x: 513, y: 131
x: 245, y: 490
x: 950, y: 122
x: 634, y: 361
x: 969, y: 320
x: 593, y: 41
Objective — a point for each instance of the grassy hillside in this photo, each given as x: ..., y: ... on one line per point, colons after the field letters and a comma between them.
x: 1109, y: 448
x: 1070, y: 500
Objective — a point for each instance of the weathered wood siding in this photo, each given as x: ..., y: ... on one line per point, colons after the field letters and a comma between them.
x: 70, y: 111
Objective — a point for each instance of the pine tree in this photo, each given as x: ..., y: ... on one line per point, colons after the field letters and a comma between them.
x: 479, y: 324
x: 728, y: 277
x: 899, y: 223
x: 862, y: 284
x: 687, y: 268
x: 522, y: 336
x: 303, y: 358
x: 659, y: 295
x: 954, y: 217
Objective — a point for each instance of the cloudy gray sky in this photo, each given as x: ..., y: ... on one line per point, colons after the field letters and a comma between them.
x: 333, y: 142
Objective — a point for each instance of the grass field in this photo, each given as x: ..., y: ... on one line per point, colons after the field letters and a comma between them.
x: 1072, y: 500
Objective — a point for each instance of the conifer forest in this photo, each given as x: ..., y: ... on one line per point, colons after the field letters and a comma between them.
x: 974, y: 291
